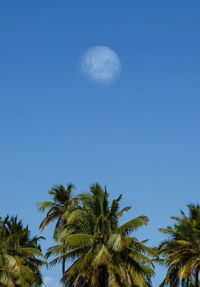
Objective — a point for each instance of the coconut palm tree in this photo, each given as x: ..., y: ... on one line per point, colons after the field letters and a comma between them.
x: 181, y: 250
x: 103, y: 252
x: 19, y: 252
x: 58, y: 208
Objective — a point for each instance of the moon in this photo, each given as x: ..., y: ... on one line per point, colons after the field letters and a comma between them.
x: 101, y: 65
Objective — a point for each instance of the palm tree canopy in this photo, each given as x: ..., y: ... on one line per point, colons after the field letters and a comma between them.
x: 181, y: 250
x: 58, y: 208
x: 19, y: 255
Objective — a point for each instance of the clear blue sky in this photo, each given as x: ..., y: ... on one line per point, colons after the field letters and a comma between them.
x: 140, y: 137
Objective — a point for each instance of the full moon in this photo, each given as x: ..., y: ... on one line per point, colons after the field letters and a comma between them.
x: 101, y: 65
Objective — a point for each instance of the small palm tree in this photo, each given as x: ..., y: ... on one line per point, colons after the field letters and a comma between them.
x: 58, y: 208
x: 19, y: 252
x: 182, y: 249
x: 103, y: 252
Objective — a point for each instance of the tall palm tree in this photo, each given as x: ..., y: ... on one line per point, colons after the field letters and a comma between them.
x: 19, y: 252
x: 103, y: 252
x: 58, y: 208
x: 182, y: 249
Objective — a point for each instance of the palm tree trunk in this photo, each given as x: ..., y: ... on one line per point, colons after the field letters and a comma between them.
x: 103, y: 276
x: 197, y: 278
x: 183, y: 282
x: 63, y: 270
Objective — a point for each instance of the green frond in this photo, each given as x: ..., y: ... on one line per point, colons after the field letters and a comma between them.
x: 121, y: 212
x: 132, y: 225
x: 69, y: 254
x: 115, y: 242
x: 102, y: 256
x: 43, y: 205
x: 79, y: 240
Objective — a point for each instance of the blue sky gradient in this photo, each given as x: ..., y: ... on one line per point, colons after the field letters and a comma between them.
x: 140, y: 137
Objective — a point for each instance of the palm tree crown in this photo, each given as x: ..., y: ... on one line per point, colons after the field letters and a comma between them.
x: 182, y: 250
x: 19, y: 252
x: 58, y: 208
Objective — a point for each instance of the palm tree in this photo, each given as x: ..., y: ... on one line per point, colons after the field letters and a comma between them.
x: 19, y: 263
x: 103, y: 252
x: 182, y: 249
x: 58, y: 208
